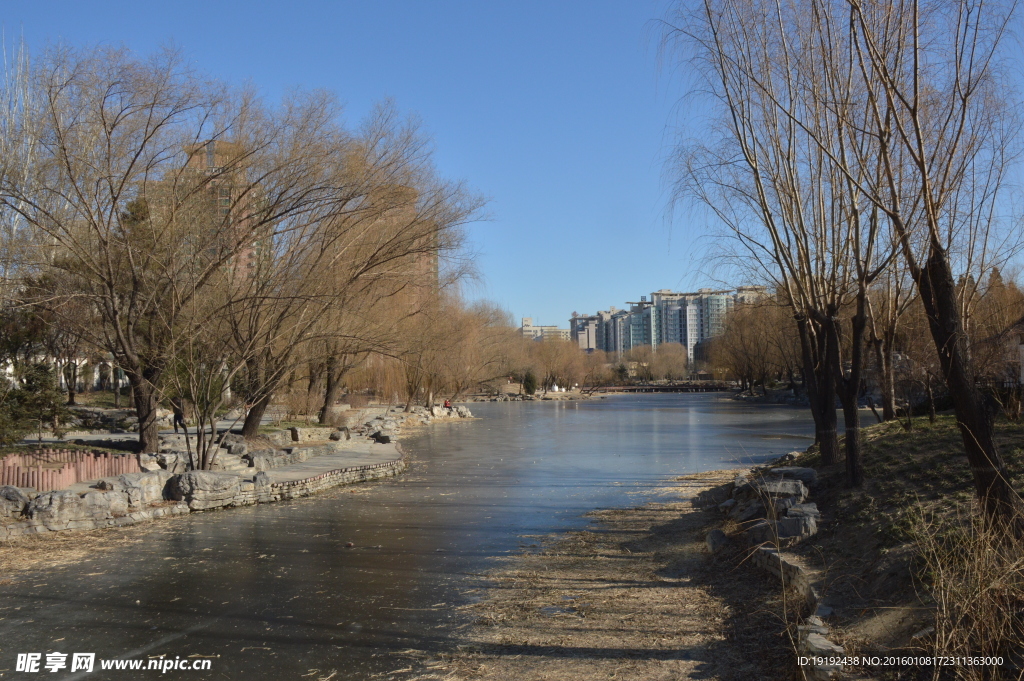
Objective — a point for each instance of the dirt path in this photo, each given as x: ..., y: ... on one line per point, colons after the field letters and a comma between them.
x: 637, y: 598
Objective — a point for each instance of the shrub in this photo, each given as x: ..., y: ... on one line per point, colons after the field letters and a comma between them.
x: 529, y: 383
x: 31, y: 402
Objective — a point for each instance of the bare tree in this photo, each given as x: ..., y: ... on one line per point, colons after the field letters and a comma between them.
x: 670, y: 361
x: 943, y: 133
x: 774, y: 184
x: 141, y: 186
x: 887, y: 305
x: 379, y: 247
x: 917, y: 127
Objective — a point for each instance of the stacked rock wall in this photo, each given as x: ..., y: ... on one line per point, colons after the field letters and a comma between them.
x: 137, y: 497
x: 771, y: 511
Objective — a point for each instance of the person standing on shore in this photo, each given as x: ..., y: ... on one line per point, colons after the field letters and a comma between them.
x: 178, y: 407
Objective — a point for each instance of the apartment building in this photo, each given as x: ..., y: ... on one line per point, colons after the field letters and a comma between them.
x: 540, y: 333
x: 689, y: 319
x: 583, y: 330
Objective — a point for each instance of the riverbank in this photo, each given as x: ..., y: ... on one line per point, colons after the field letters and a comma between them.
x: 636, y: 597
x: 281, y: 465
x: 640, y: 596
x: 905, y: 570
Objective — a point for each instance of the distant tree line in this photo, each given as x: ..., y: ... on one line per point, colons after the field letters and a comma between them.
x: 760, y: 348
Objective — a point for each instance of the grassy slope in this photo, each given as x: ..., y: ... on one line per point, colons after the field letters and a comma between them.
x: 865, y: 543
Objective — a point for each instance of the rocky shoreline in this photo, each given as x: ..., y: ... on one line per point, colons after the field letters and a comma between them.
x: 286, y: 464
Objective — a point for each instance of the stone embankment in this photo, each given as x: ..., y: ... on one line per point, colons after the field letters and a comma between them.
x: 770, y: 510
x: 307, y: 461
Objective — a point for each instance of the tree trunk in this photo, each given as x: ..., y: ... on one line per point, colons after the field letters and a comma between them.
x: 72, y: 368
x: 203, y: 447
x: 848, y: 385
x: 938, y: 293
x: 888, y: 377
x: 316, y: 375
x: 251, y: 427
x: 931, y: 398
x: 871, y: 405
x: 331, y: 394
x: 854, y: 466
x: 820, y: 385
x: 144, y: 394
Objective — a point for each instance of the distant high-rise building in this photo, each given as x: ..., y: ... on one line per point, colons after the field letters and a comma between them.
x: 689, y: 319
x: 540, y: 333
x: 583, y: 331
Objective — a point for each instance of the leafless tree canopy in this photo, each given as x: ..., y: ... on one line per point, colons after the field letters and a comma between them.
x: 202, y: 233
x: 857, y: 144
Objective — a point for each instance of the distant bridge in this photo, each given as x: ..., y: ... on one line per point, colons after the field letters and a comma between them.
x: 677, y: 388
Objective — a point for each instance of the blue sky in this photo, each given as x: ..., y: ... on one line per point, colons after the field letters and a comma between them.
x: 557, y: 112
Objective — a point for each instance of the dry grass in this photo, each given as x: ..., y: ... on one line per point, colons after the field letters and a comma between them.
x: 57, y: 549
x: 973, y: 572
x: 638, y: 597
x: 881, y: 561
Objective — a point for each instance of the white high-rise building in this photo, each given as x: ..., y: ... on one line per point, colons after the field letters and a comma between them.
x: 668, y: 317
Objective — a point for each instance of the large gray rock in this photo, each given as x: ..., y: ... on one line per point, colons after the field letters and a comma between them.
x: 292, y: 454
x: 56, y: 509
x: 749, y: 509
x: 263, y: 459
x: 99, y: 505
x: 808, y: 476
x: 145, y: 488
x: 231, y: 439
x: 175, y: 443
x: 809, y: 510
x: 149, y: 462
x: 716, y: 541
x: 784, y: 504
x: 110, y: 485
x: 761, y: 532
x: 769, y: 490
x: 227, y: 462
x: 463, y: 412
x: 203, y: 490
x: 781, y: 531
x: 311, y: 434
x: 800, y: 527
x: 12, y: 501
x: 238, y: 448
x: 813, y: 646
x: 173, y: 461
